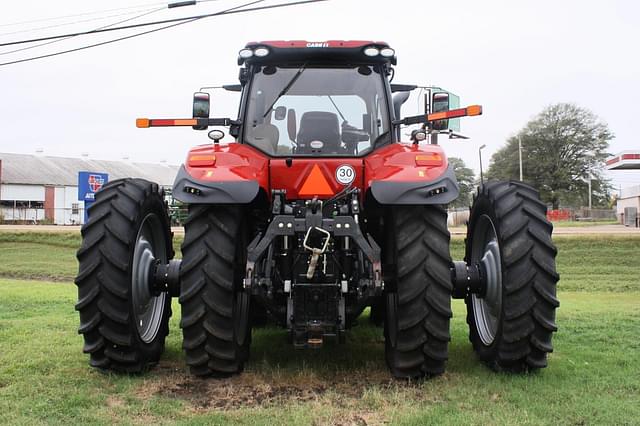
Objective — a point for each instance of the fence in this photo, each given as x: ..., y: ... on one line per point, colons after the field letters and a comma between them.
x: 581, y: 214
x: 64, y: 216
x: 75, y: 216
x: 41, y: 216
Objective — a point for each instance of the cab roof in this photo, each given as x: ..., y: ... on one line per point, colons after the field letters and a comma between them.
x: 329, y: 52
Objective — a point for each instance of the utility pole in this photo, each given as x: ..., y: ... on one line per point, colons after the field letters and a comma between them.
x: 480, y: 155
x: 589, y: 194
x: 520, y: 154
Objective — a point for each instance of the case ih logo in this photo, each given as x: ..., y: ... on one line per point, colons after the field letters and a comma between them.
x: 318, y: 44
x: 95, y: 182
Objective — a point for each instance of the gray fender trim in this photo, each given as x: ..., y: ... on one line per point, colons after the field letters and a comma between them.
x: 224, y: 192
x: 417, y: 193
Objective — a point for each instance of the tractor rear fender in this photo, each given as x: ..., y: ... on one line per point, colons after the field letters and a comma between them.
x: 222, y: 174
x: 410, y: 174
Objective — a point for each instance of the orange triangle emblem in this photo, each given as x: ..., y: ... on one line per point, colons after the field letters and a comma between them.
x: 315, y: 184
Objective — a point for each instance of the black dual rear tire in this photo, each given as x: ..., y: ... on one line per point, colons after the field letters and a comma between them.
x: 124, y: 325
x: 418, y: 302
x: 216, y: 323
x: 511, y: 325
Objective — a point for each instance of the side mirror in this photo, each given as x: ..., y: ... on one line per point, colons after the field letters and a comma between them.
x: 439, y: 103
x: 280, y: 113
x: 201, y: 107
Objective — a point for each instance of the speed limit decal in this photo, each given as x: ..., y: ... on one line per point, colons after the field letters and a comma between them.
x: 345, y: 174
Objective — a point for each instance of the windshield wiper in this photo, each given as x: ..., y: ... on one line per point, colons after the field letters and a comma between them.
x: 285, y: 89
x: 344, y: 120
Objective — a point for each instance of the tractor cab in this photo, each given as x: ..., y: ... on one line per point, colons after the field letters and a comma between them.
x: 316, y: 99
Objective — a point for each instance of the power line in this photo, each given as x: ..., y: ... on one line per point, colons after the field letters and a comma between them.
x: 67, y: 38
x: 74, y: 22
x: 57, y: 18
x: 174, y: 23
x: 166, y: 21
x: 99, y: 18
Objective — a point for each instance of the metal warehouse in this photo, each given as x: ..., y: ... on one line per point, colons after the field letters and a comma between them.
x: 37, y: 188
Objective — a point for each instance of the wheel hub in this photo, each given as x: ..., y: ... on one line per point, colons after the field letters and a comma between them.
x: 487, y: 307
x: 148, y: 308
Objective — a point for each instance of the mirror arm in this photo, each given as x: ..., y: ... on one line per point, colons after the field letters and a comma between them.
x: 414, y: 119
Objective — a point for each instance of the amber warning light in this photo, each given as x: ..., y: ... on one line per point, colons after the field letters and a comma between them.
x: 455, y: 113
x: 469, y: 111
x: 144, y: 123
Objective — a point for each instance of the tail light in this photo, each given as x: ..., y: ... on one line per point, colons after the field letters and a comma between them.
x: 201, y: 160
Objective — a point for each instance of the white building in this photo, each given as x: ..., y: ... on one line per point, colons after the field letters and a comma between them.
x: 628, y: 204
x: 40, y: 188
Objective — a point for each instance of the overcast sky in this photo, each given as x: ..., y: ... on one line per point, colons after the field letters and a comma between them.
x: 513, y: 57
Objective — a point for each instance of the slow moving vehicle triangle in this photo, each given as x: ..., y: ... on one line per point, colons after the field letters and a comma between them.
x: 316, y: 183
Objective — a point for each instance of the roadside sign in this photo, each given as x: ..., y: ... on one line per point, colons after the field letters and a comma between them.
x: 88, y: 184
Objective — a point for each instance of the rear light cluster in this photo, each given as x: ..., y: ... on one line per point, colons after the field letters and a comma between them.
x: 385, y: 52
x: 432, y: 159
x: 202, y: 160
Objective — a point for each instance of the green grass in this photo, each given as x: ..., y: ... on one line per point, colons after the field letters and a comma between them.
x: 585, y: 262
x: 596, y: 262
x: 593, y: 376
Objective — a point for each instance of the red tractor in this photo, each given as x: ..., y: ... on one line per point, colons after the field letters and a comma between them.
x: 315, y: 212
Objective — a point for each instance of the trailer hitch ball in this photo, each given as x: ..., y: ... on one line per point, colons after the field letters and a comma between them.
x: 468, y: 279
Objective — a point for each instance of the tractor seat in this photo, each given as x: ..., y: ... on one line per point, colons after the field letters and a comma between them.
x: 265, y: 137
x: 319, y: 126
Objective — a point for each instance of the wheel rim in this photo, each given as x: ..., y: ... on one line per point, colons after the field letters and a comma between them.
x: 487, y: 309
x: 148, y: 309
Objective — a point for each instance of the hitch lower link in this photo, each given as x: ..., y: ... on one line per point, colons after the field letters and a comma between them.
x: 317, y: 237
x: 468, y: 279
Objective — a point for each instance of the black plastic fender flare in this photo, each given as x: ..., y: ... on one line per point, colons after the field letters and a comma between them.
x: 193, y: 191
x: 443, y: 190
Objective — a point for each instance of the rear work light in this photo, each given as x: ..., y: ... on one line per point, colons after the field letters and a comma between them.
x: 261, y: 52
x: 372, y: 51
x: 387, y: 52
x: 245, y: 53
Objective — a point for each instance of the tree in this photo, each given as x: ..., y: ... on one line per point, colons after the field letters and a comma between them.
x: 562, y: 147
x: 466, y: 181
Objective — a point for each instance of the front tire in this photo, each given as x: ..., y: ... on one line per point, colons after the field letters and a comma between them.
x: 511, y: 325
x: 418, y: 303
x: 215, y: 321
x: 124, y: 325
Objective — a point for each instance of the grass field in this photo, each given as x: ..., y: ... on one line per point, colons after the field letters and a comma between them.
x: 593, y: 375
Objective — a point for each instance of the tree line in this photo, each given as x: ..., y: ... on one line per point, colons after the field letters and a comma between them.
x: 562, y: 147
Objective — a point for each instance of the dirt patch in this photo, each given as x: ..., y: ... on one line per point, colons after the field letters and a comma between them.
x: 115, y: 402
x: 227, y: 395
x: 253, y: 389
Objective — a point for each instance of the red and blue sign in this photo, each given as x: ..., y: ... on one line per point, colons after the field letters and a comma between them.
x: 89, y: 183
